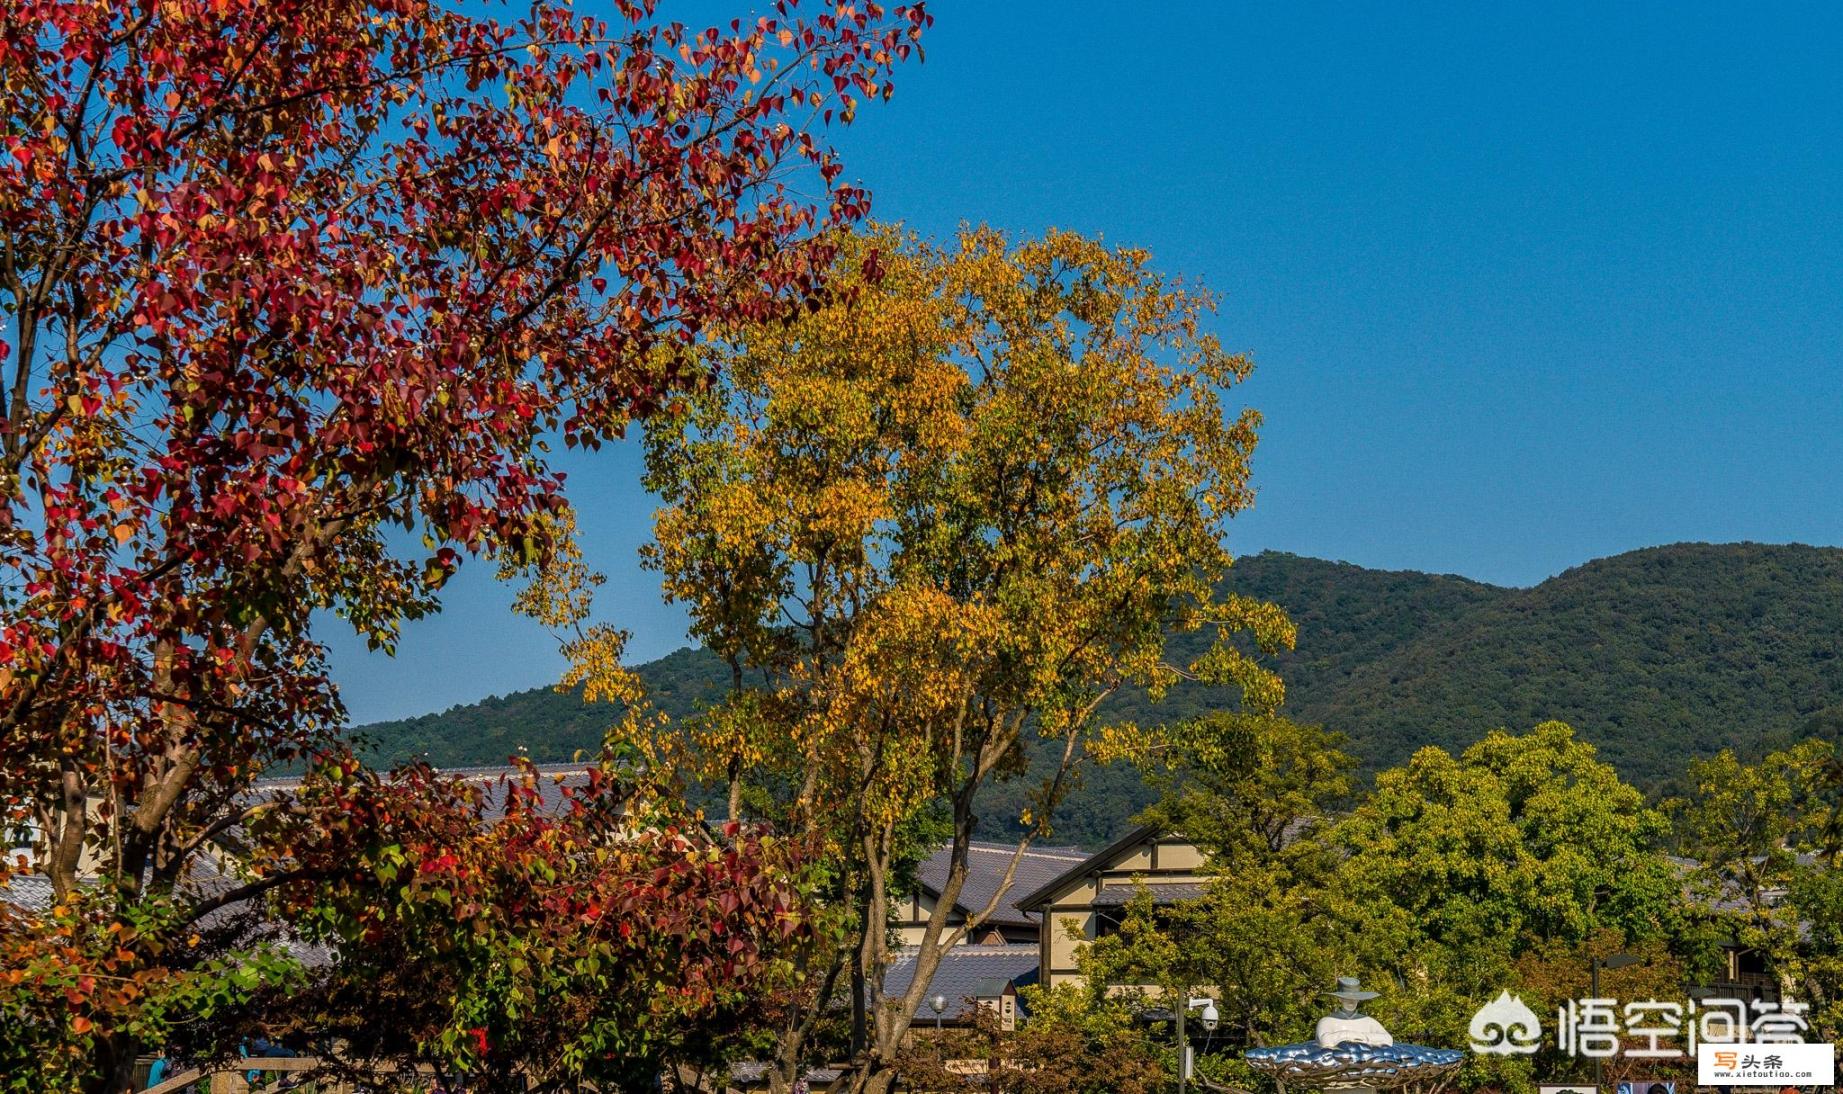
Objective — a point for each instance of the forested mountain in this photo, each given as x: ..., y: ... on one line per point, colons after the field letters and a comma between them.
x: 551, y: 725
x: 1655, y: 656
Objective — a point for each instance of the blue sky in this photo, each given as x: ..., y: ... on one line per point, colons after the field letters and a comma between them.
x: 1524, y: 288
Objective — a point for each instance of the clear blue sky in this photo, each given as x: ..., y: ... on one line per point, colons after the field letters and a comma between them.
x: 1523, y: 289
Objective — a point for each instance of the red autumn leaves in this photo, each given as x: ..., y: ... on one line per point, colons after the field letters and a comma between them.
x: 300, y: 294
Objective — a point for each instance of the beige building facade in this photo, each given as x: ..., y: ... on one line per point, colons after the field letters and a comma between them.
x: 1086, y: 901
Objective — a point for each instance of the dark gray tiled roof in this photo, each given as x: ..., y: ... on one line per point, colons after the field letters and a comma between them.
x: 751, y: 1072
x: 1730, y: 897
x: 985, y: 868
x: 1115, y: 896
x: 311, y: 955
x: 1057, y: 884
x: 33, y: 893
x: 552, y: 778
x: 1053, y: 885
x: 30, y: 892
x: 961, y: 974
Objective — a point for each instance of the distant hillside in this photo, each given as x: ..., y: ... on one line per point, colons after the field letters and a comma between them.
x: 551, y: 725
x: 1347, y: 616
x: 1655, y: 655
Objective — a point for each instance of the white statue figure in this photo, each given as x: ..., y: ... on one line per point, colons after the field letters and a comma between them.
x: 1347, y: 1025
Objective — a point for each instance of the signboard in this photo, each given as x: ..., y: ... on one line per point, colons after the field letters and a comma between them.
x: 1585, y: 1088
x: 1766, y: 1065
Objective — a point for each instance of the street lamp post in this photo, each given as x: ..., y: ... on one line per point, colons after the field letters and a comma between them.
x: 937, y: 1004
x: 1610, y: 961
x: 1209, y: 1018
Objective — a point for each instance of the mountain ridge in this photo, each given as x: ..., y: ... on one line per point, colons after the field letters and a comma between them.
x: 1758, y: 649
x: 1654, y: 655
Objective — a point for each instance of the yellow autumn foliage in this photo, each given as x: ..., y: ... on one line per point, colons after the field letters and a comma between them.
x: 961, y: 501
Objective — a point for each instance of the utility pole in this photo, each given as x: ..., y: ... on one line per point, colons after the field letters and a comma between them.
x: 1183, y: 1048
x: 1610, y: 961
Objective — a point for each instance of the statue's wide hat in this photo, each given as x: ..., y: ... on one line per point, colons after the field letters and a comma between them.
x: 1349, y: 990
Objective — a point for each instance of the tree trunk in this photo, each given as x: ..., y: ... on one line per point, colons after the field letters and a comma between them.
x: 115, y: 1057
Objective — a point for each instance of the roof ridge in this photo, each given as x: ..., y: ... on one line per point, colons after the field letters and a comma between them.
x: 976, y: 949
x: 1072, y: 854
x: 1027, y: 902
x: 560, y: 767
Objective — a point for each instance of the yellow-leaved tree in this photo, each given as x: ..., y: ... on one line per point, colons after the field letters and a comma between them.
x: 947, y: 512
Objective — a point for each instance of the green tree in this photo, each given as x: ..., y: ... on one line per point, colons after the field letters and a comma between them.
x: 1255, y: 792
x: 1455, y: 867
x: 1518, y: 839
x: 1814, y: 966
x: 1245, y: 786
x: 1760, y: 836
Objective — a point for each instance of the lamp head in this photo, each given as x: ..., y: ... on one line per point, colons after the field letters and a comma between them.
x: 1620, y: 960
x: 938, y: 1003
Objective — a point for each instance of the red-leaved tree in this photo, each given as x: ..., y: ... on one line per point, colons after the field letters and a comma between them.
x: 528, y: 933
x: 289, y: 288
